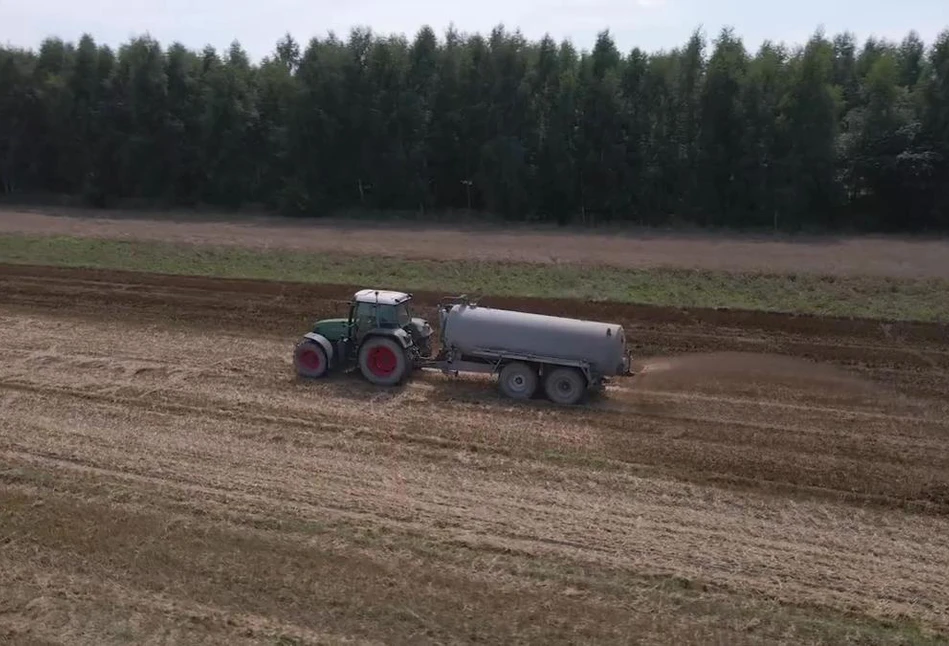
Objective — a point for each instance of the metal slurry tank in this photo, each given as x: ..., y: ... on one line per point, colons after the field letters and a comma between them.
x: 474, y: 330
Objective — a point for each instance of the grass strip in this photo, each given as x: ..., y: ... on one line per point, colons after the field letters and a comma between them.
x: 906, y: 299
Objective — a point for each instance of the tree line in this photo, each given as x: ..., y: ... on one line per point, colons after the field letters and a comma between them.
x: 830, y: 134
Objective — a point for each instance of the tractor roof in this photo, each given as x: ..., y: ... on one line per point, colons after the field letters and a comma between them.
x: 382, y: 296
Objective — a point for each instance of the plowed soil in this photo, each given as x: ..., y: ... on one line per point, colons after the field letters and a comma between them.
x: 164, y: 478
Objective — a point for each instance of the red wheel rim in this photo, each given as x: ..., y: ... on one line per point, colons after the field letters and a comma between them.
x: 382, y: 361
x: 310, y: 359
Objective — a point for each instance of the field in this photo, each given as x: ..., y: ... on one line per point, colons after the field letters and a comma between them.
x: 767, y: 478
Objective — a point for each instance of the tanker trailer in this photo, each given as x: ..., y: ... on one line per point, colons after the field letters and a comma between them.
x: 566, y: 357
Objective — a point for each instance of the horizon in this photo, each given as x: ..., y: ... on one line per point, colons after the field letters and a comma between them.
x: 708, y: 36
x: 651, y: 25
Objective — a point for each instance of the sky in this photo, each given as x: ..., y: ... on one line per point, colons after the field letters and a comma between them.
x: 649, y: 24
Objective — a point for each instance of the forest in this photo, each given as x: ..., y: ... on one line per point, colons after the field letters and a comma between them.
x: 826, y: 135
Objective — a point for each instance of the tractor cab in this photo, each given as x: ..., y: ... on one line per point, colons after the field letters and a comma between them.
x: 378, y: 309
x: 372, y: 311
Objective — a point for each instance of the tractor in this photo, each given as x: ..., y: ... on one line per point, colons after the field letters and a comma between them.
x: 379, y: 335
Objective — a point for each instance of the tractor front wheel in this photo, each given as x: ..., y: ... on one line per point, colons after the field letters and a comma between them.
x: 309, y: 359
x: 383, y: 362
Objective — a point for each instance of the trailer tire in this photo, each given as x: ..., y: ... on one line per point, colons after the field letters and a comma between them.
x: 383, y: 362
x: 518, y: 380
x: 565, y: 386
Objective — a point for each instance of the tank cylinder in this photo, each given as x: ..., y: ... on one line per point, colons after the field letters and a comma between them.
x: 482, y: 330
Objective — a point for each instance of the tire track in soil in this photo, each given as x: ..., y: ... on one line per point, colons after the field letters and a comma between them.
x: 98, y: 606
x: 421, y: 507
x: 893, y: 460
x: 673, y: 459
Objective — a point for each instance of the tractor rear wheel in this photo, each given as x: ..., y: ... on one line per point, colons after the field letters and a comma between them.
x: 309, y: 359
x: 383, y: 362
x: 565, y: 386
x: 518, y: 380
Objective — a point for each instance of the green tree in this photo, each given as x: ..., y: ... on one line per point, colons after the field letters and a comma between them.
x: 182, y: 151
x: 912, y: 55
x: 20, y: 122
x: 601, y: 138
x: 557, y: 175
x: 722, y: 146
x: 140, y: 115
x: 827, y: 135
x: 765, y: 142
x: 227, y: 124
x: 808, y: 192
x: 936, y: 124
x: 691, y: 72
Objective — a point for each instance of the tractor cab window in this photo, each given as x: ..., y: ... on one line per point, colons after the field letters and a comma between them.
x: 403, y: 317
x: 371, y: 315
x: 388, y: 316
x: 364, y: 316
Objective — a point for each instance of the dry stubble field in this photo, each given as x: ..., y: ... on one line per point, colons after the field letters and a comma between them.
x: 165, y: 479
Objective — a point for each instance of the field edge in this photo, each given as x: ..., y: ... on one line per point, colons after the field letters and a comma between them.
x: 795, y: 322
x: 853, y: 298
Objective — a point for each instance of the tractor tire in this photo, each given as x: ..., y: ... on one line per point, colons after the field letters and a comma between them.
x: 518, y: 380
x: 565, y: 386
x: 309, y: 359
x: 383, y: 362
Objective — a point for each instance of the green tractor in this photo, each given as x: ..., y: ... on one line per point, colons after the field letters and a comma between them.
x: 379, y: 335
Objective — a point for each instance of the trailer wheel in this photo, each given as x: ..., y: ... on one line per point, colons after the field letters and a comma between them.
x: 565, y: 386
x: 309, y: 359
x: 518, y: 380
x: 383, y: 361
